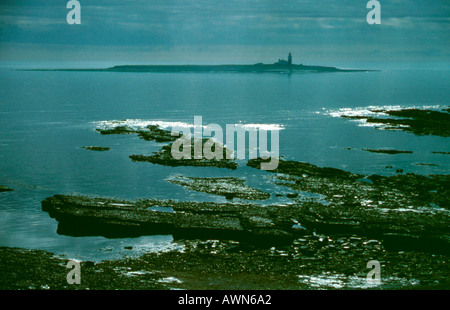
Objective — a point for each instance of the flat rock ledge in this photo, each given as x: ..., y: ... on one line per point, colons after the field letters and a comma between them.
x: 228, y: 186
x: 80, y: 215
x: 84, y: 216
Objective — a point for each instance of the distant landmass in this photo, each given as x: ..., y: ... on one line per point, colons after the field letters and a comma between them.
x: 281, y: 66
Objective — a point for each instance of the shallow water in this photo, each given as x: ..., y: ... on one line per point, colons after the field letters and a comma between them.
x: 46, y: 117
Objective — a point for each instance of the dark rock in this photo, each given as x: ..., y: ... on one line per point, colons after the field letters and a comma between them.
x: 96, y: 148
x: 293, y: 195
x: 311, y: 263
x: 396, y: 205
x: 154, y: 133
x: 24, y: 269
x: 164, y: 157
x: 116, y: 130
x: 230, y: 196
x: 190, y: 220
x: 81, y: 216
x: 149, y: 133
x: 89, y: 264
x: 304, y: 169
x: 385, y: 151
x: 419, y: 122
x: 5, y: 189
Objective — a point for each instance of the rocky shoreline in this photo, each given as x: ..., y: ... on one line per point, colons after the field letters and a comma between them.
x: 319, y: 241
x: 309, y: 263
x: 405, y: 210
x: 401, y: 221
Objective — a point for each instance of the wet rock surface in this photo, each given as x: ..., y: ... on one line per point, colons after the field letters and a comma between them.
x: 81, y: 216
x: 309, y: 262
x: 229, y: 187
x: 340, y: 186
x: 24, y: 269
x: 408, y: 210
x: 387, y: 151
x: 400, y: 221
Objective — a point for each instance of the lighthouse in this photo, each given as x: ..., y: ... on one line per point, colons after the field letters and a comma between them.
x: 290, y: 59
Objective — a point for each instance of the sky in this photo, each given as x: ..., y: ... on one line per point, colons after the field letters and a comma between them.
x: 316, y: 32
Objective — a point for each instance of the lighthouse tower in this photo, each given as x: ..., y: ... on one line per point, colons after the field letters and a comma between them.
x: 290, y: 59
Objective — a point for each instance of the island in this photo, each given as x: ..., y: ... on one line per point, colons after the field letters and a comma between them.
x: 281, y: 66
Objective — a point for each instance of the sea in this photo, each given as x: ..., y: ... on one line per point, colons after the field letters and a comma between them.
x: 46, y: 117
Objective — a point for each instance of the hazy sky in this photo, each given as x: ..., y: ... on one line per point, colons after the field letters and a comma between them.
x: 225, y: 31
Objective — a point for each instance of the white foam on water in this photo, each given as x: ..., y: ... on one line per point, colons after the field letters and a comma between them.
x: 140, y: 124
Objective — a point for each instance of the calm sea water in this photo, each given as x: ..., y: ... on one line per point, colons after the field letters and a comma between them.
x: 46, y: 117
